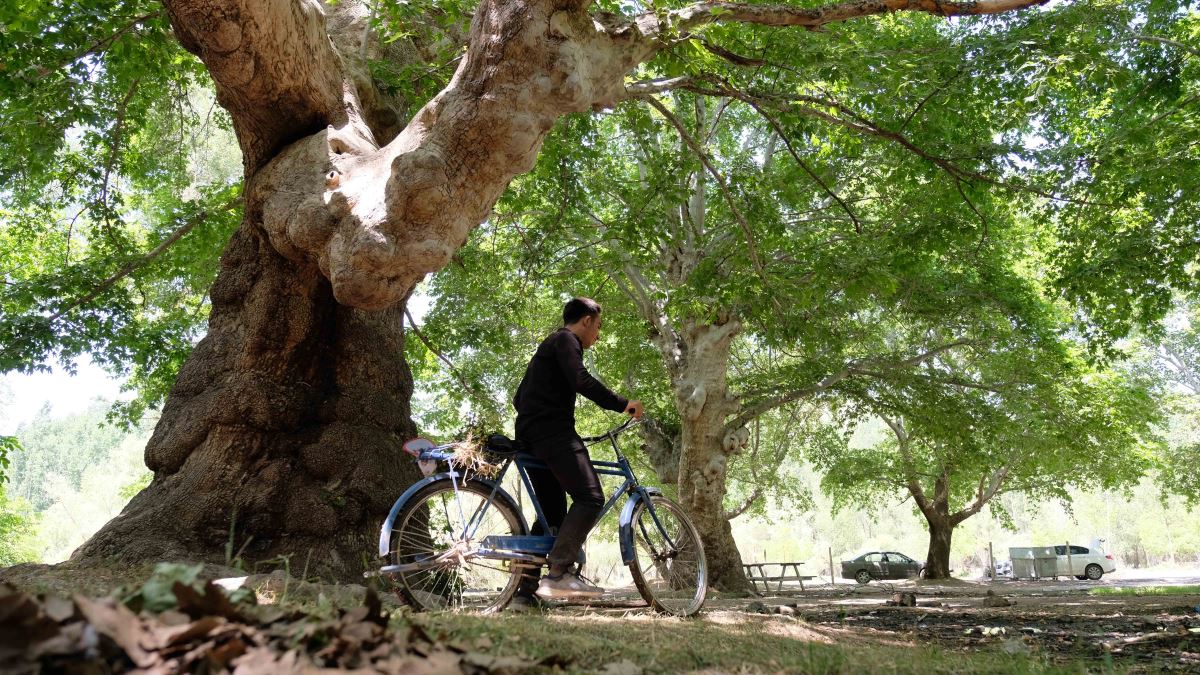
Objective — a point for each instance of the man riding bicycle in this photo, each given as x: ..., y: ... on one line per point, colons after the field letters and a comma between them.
x: 545, y: 403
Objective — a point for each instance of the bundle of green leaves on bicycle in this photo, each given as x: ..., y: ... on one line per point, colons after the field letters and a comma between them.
x: 458, y: 539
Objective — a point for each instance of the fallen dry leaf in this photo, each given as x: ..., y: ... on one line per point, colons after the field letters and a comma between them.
x: 113, y: 620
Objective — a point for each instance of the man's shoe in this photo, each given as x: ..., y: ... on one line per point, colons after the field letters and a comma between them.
x: 567, y: 586
x: 526, y: 604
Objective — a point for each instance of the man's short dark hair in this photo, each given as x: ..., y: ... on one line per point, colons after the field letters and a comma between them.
x: 578, y: 308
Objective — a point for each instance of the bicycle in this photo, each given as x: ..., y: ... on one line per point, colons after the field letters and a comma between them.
x: 442, y: 558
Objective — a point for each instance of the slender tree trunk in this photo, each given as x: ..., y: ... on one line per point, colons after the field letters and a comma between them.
x: 701, y: 396
x: 282, y: 433
x: 937, y: 559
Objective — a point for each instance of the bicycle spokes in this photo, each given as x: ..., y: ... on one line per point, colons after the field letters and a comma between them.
x: 435, y: 564
x: 668, y: 566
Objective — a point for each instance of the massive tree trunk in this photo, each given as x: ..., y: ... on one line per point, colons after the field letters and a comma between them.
x: 290, y: 411
x: 282, y: 433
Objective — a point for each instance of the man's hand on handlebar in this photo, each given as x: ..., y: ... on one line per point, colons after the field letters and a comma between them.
x: 635, y: 409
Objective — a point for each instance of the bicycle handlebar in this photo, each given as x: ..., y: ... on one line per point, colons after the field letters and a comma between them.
x: 446, y: 451
x: 615, y: 431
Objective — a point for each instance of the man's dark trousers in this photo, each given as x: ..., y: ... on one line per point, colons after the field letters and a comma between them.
x: 569, y: 472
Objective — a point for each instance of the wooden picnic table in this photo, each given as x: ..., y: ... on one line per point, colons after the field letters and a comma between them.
x: 757, y: 574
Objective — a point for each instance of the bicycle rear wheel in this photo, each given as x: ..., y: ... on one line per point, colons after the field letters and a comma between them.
x: 429, y: 529
x: 668, y: 566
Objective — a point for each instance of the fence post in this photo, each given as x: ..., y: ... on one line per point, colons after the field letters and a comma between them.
x: 831, y: 581
x: 1070, y: 565
x: 991, y: 562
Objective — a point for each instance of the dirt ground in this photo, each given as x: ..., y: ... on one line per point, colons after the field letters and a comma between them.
x: 1062, y: 621
x: 1059, y: 622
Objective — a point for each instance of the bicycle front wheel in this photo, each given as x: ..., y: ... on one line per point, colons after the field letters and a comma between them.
x: 668, y: 565
x: 436, y: 536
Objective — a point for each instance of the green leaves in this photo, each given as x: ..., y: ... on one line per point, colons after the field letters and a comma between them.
x: 116, y: 147
x: 8, y: 446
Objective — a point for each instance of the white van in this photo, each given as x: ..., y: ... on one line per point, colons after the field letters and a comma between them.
x: 1084, y: 563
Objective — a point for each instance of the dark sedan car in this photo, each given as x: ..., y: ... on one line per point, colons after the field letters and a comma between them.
x: 880, y: 565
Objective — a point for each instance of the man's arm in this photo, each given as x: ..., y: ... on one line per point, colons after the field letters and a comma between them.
x: 569, y: 355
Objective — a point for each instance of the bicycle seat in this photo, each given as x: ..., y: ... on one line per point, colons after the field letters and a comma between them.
x: 499, y: 444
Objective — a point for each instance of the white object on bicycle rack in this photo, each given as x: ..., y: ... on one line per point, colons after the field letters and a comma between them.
x: 415, y: 447
x: 427, y: 466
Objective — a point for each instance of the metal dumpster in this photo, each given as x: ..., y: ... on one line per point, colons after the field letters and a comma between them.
x: 1034, y: 562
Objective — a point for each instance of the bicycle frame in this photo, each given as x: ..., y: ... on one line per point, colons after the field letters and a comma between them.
x: 527, y: 549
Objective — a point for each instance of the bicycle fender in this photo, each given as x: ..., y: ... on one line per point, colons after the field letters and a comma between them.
x: 625, y: 529
x: 385, y: 533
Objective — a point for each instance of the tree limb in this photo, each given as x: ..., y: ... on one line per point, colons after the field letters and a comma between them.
x: 763, y: 406
x: 721, y: 182
x: 982, y: 495
x: 462, y: 381
x: 784, y: 15
x: 115, y: 144
x: 657, y: 86
x: 107, y: 41
x: 811, y: 174
x: 912, y: 481
x: 1178, y: 45
x: 708, y: 86
x: 949, y: 381
x: 735, y: 59
x: 273, y: 66
x: 129, y: 268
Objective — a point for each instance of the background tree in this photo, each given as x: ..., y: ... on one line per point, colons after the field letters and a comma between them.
x: 1173, y: 357
x: 1029, y: 417
x: 15, y: 513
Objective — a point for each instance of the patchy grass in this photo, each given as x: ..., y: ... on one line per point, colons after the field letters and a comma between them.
x: 719, y: 642
x: 1146, y: 590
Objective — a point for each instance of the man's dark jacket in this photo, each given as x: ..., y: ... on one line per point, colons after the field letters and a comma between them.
x: 545, y: 401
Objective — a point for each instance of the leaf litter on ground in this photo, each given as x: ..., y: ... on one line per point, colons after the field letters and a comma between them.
x: 200, y: 628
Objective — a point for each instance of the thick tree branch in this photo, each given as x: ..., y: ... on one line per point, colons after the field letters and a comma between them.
x: 375, y: 220
x: 815, y: 17
x: 736, y: 59
x: 912, y: 479
x: 1161, y: 40
x: 657, y: 86
x: 988, y: 487
x: 766, y: 405
x: 273, y: 65
x: 668, y: 339
x: 791, y: 395
x: 730, y: 515
x: 947, y: 381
